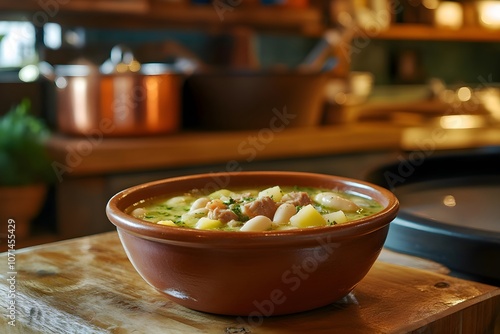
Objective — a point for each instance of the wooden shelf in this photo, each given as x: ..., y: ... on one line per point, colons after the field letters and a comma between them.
x: 46, y: 9
x: 422, y: 32
x: 259, y: 16
x: 146, y: 14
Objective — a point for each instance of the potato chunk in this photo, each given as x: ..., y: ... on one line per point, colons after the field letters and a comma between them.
x: 208, y: 224
x: 337, y: 217
x: 308, y: 216
x: 274, y: 192
x: 166, y: 223
x: 220, y: 193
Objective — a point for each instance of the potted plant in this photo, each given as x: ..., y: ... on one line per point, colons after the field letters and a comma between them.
x: 25, y: 167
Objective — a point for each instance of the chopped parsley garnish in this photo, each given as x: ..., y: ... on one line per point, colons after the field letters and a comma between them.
x: 229, y: 201
x: 236, y: 208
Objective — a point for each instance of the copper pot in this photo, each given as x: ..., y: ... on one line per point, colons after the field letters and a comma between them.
x: 130, y: 99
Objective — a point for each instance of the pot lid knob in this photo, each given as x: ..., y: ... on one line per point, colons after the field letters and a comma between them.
x: 121, y: 60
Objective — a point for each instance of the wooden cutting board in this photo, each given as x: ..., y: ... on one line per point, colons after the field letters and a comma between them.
x: 87, y: 285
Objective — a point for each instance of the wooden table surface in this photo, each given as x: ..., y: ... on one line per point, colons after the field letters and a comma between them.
x: 87, y: 285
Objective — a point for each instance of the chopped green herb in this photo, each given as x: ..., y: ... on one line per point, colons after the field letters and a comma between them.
x: 229, y: 201
x: 236, y: 208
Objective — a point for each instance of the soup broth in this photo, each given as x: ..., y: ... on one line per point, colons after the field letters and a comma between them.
x: 256, y: 209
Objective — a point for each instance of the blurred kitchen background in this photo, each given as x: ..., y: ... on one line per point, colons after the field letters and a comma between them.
x: 364, y: 82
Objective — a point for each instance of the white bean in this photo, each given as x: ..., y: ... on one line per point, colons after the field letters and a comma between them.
x: 199, y: 203
x: 334, y: 201
x: 177, y: 200
x: 361, y: 202
x: 257, y: 224
x: 283, y: 213
x: 138, y: 212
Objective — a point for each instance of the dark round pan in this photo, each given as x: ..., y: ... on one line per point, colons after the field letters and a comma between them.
x: 450, y: 209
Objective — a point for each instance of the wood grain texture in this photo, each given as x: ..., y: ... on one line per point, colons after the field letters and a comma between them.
x: 97, y: 155
x: 87, y: 285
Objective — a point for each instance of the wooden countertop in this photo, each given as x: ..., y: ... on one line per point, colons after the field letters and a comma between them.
x: 87, y: 285
x: 97, y: 155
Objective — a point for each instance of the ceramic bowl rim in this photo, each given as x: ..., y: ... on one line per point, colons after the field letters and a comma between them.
x: 124, y: 222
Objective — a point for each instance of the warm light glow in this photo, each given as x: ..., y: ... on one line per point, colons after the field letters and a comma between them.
x: 134, y: 66
x: 461, y: 121
x: 430, y: 4
x: 449, y: 14
x: 489, y: 13
x: 121, y: 68
x: 464, y: 94
x: 449, y: 200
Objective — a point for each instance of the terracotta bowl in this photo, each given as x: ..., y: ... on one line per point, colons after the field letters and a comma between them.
x: 254, y: 274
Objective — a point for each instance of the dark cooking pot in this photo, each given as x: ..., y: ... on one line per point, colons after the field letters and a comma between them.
x: 261, y: 99
x: 230, y: 100
x: 126, y: 98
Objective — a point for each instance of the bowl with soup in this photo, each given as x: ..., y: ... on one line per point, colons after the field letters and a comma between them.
x: 254, y: 244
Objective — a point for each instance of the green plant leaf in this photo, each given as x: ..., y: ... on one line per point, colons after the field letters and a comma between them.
x: 23, y: 155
